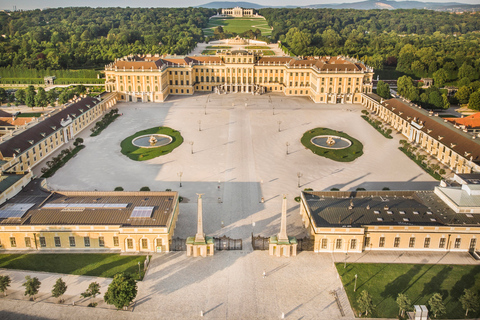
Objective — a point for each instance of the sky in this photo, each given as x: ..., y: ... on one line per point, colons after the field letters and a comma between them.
x: 40, y: 4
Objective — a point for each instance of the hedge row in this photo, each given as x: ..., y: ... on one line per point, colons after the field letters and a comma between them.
x: 57, y: 81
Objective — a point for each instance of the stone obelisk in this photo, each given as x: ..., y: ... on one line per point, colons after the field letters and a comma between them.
x: 282, y: 236
x: 200, y: 236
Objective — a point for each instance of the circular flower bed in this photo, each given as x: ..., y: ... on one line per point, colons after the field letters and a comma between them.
x: 348, y: 154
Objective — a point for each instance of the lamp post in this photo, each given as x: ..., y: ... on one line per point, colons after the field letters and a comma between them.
x: 191, y: 144
x: 205, y: 109
x: 273, y: 110
x: 287, y: 144
x: 299, y: 175
x: 279, y: 123
x: 199, y: 125
x: 138, y: 267
x: 355, y: 287
x: 180, y: 177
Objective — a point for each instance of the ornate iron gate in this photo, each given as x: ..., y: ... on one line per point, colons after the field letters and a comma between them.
x: 227, y: 243
x: 260, y: 243
x: 305, y: 244
x: 178, y: 244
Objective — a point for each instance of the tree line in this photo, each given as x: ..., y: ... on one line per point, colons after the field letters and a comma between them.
x: 69, y: 38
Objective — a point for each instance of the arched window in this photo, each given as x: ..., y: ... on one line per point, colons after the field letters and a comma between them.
x: 339, y: 90
x: 148, y: 88
x: 130, y: 88
x: 156, y: 88
x: 330, y: 90
x: 139, y: 89
x: 121, y: 88
x: 348, y: 90
x: 321, y: 90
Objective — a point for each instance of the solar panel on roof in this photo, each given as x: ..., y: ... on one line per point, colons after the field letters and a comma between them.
x: 15, y: 210
x: 142, y: 212
x: 85, y: 205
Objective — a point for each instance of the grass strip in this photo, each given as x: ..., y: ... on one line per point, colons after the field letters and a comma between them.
x: 105, y: 122
x: 373, y: 124
x: 418, y: 281
x: 421, y: 164
x: 57, y: 165
x: 89, y: 264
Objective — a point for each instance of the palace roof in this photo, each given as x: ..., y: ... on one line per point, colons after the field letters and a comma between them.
x: 365, y: 208
x: 460, y: 142
x: 19, y: 143
x: 95, y: 208
x: 470, y: 122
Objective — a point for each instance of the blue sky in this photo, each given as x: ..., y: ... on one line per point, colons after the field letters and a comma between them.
x: 35, y: 4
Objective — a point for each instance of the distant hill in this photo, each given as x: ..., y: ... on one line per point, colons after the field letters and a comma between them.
x: 363, y: 5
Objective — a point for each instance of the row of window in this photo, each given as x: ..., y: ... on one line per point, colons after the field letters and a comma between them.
x: 396, y: 243
x: 58, y: 243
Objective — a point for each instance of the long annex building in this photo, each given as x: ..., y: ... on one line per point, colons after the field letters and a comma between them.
x: 148, y: 78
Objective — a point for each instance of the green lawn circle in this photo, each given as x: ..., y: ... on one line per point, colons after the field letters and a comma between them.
x: 342, y: 155
x: 142, y: 154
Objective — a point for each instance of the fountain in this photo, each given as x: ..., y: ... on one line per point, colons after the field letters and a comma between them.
x: 331, y: 142
x: 152, y: 140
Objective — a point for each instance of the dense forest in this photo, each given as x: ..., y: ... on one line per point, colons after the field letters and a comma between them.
x: 68, y: 38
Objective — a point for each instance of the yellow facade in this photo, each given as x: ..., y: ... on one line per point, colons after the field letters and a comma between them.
x: 337, y: 80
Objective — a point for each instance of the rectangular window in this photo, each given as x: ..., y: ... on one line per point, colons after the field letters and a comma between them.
x: 473, y: 244
x: 129, y: 243
x: 338, y: 244
x: 381, y: 243
x: 411, y: 243
x: 442, y: 243
x: 13, y: 242
x: 396, y: 242
x: 324, y: 243
x: 28, y: 242
x: 426, y: 244
x: 43, y: 243
x: 86, y: 241
x: 353, y: 244
x: 144, y: 243
x: 367, y: 242
x: 458, y: 241
x: 57, y: 242
x: 115, y: 242
x: 101, y: 241
x: 72, y: 241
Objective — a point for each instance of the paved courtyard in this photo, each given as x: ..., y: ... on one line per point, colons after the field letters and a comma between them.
x: 239, y: 157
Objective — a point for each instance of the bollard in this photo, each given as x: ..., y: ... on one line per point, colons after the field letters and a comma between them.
x: 201, y: 313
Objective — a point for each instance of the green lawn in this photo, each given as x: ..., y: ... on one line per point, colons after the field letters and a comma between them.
x: 219, y: 47
x: 89, y: 264
x: 343, y: 155
x: 257, y: 47
x: 142, y: 154
x: 209, y: 52
x: 30, y: 115
x: 418, y: 281
x: 238, y: 25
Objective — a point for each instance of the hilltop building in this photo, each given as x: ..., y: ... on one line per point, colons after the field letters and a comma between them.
x: 237, y: 12
x: 153, y: 78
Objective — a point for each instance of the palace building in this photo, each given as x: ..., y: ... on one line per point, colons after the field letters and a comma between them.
x: 237, y: 12
x: 443, y: 220
x: 451, y: 145
x: 150, y: 78
x: 31, y: 143
x: 37, y: 220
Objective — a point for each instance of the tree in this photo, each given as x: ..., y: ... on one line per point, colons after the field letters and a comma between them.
x: 20, y: 95
x: 445, y: 102
x: 383, y: 89
x: 41, y: 98
x: 436, y: 305
x: 59, y: 288
x: 144, y: 189
x: 404, y: 303
x: 3, y: 94
x: 78, y: 142
x: 4, y: 284
x: 463, y: 94
x: 435, y: 98
x: 474, y: 101
x: 440, y: 77
x: 466, y: 71
x: 365, y: 302
x: 121, y: 291
x: 92, y: 291
x: 30, y: 97
x: 470, y: 301
x: 118, y: 189
x: 32, y: 285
